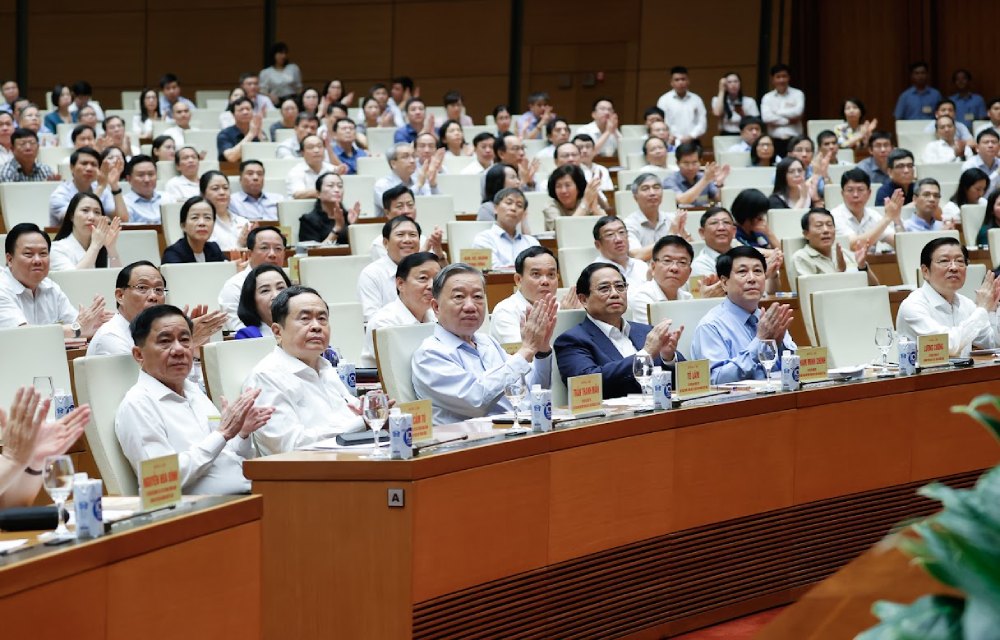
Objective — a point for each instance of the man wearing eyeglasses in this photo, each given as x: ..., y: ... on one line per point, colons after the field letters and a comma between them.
x: 927, y: 210
x: 611, y: 241
x: 938, y: 307
x: 671, y: 268
x: 901, y: 176
x: 863, y: 224
x: 728, y: 336
x: 605, y: 342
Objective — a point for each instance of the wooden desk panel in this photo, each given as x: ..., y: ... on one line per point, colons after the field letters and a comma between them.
x: 70, y: 608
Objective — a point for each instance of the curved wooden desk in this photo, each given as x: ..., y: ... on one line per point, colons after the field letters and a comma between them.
x: 638, y: 527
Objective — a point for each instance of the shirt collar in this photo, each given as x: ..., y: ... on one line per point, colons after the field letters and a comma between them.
x: 613, y: 333
x: 15, y: 285
x: 498, y: 231
x: 813, y: 253
x: 452, y: 342
x: 159, y: 390
x: 738, y: 312
x: 937, y: 300
x: 296, y: 367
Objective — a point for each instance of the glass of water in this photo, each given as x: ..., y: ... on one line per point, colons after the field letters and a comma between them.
x: 57, y: 478
x: 767, y: 355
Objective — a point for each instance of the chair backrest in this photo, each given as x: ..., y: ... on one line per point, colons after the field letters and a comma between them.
x: 203, y: 140
x: 380, y: 140
x: 627, y: 177
x: 833, y: 197
x: 537, y: 201
x: 80, y: 285
x: 394, y: 348
x: 684, y: 313
x: 202, y: 96
x: 625, y: 203
x: 334, y: 277
x: 464, y: 190
x: 375, y: 167
x: 260, y: 151
x: 813, y: 127
x: 30, y: 351
x: 360, y: 189
x: 942, y: 172
x: 228, y: 363
x: 972, y: 216
x: 975, y: 273
x: 572, y: 231
x: 349, y: 337
x: 565, y: 320
x: 788, y: 248
x: 197, y: 283
x: 915, y: 142
x: 993, y: 238
x: 626, y: 147
x: 102, y: 382
x: 573, y: 260
x: 735, y: 158
x: 756, y: 177
x: 289, y: 212
x: 170, y: 220
x: 139, y: 244
x: 809, y: 284
x: 728, y: 194
x: 628, y: 130
x: 786, y: 223
x: 721, y: 144
x: 435, y: 211
x: 455, y: 164
x: 908, y: 247
x: 906, y: 127
x: 360, y: 237
x: 846, y: 320
x: 461, y: 235
x: 279, y: 167
x: 26, y: 202
x: 52, y: 156
x: 837, y: 171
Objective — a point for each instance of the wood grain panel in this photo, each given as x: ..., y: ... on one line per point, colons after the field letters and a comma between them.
x: 350, y: 42
x: 731, y: 471
x: 8, y: 39
x: 671, y: 37
x: 944, y: 442
x: 344, y: 569
x: 503, y: 528
x: 834, y: 437
x: 428, y: 42
x: 55, y: 610
x: 579, y: 21
x: 610, y: 494
x: 956, y: 49
x: 234, y: 558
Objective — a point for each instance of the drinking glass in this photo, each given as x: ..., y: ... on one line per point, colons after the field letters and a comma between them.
x: 642, y: 369
x: 514, y: 392
x: 43, y: 385
x: 883, y: 340
x: 767, y: 355
x: 57, y: 477
x: 376, y: 411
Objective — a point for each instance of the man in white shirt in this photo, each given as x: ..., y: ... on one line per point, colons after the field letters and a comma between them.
x: 251, y: 201
x: 781, y: 109
x: 266, y: 246
x: 750, y: 130
x: 403, y: 164
x: 171, y: 98
x: 165, y: 413
x: 611, y: 239
x: 482, y: 144
x: 536, y: 274
x: 670, y: 270
x: 251, y: 87
x: 987, y: 148
x: 685, y: 111
x: 399, y: 201
x: 557, y: 132
x: 377, y: 281
x: 181, y: 115
x: 310, y: 402
x: 938, y: 307
x: 649, y: 224
x: 28, y: 297
x: 82, y: 92
x: 143, y: 201
x: 300, y: 182
x: 306, y: 124
x: 464, y: 372
x: 185, y: 184
x: 603, y: 128
x: 504, y: 238
x: 585, y: 144
x: 90, y: 174
x: 861, y: 223
x: 718, y: 230
x: 946, y: 108
x: 414, y: 284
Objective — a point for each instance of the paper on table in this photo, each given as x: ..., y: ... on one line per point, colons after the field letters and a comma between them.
x: 7, y: 545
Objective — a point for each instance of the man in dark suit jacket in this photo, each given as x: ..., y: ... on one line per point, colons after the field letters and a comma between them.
x: 590, y: 347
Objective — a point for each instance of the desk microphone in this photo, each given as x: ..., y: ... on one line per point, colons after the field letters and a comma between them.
x: 30, y: 518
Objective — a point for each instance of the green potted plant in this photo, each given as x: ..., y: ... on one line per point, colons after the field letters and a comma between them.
x: 960, y: 547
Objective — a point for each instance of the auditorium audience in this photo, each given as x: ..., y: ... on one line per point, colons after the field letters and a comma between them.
x: 289, y: 109
x: 283, y: 77
x: 927, y: 211
x: 654, y: 152
x: 417, y: 121
x: 451, y: 138
x: 782, y: 109
x: 377, y: 281
x: 399, y: 201
x: 571, y: 195
x: 301, y: 179
x: 163, y: 148
x: 185, y: 184
x: 403, y: 166
x: 198, y: 217
x: 901, y: 176
x: 24, y: 165
x: 585, y: 145
x: 938, y: 307
x: 166, y: 413
x: 246, y: 127
x: 414, y: 285
x: 946, y: 107
x: 306, y: 124
x: 143, y: 201
x: 251, y: 201
x: 536, y: 274
x: 29, y: 297
x: 88, y: 173
x: 482, y: 147
x: 969, y: 106
x: 670, y: 268
x: 504, y: 238
x: 728, y: 335
x: 266, y: 246
x: 792, y: 190
x: 116, y: 136
x: 181, y: 117
x: 230, y: 230
x: 149, y: 112
x: 987, y: 148
x: 730, y: 106
x: 683, y: 109
x: 510, y: 150
x: 531, y: 125
x: 502, y: 119
x: 854, y: 132
x: 171, y: 98
x: 822, y: 253
x: 918, y: 101
x: 611, y: 239
x: 557, y: 132
x: 605, y: 342
x: 499, y: 176
x: 972, y: 186
x: 464, y: 372
x: 6, y: 131
x: 695, y: 187
x: 650, y: 223
x: 344, y: 145
x: 603, y: 128
x: 261, y: 285
x: 863, y: 224
x: 946, y: 146
x: 991, y: 219
x: 86, y: 238
x: 762, y: 152
x: 329, y: 218
x: 717, y: 228
x: 62, y: 98
x: 750, y: 131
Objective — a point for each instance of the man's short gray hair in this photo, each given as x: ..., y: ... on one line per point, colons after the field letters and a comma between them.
x: 641, y: 178
x: 453, y: 270
x: 390, y: 154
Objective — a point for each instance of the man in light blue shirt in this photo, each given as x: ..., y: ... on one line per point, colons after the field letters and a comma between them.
x: 918, y: 101
x: 926, y: 203
x: 503, y: 238
x: 728, y: 336
x: 344, y: 146
x: 143, y: 201
x: 464, y: 372
x: 969, y: 106
x: 987, y: 149
x: 170, y: 94
x: 251, y: 201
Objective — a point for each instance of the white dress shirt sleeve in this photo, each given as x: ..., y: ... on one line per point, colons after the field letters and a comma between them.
x: 11, y: 314
x: 979, y: 327
x: 700, y: 118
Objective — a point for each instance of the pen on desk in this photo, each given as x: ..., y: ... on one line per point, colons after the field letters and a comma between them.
x: 418, y: 449
x: 23, y: 547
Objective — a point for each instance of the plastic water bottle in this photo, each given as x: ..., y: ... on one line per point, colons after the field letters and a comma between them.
x: 541, y: 409
x: 400, y: 435
x: 62, y: 402
x: 662, y: 389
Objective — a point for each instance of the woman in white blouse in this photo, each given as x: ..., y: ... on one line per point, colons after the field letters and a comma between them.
x: 149, y: 112
x: 452, y: 139
x: 731, y: 105
x: 230, y: 229
x: 184, y: 186
x: 87, y: 238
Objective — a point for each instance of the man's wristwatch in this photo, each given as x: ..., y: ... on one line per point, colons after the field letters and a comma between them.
x: 117, y: 191
x: 864, y: 268
x: 76, y: 329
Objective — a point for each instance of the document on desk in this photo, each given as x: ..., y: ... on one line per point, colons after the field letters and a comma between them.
x: 7, y: 545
